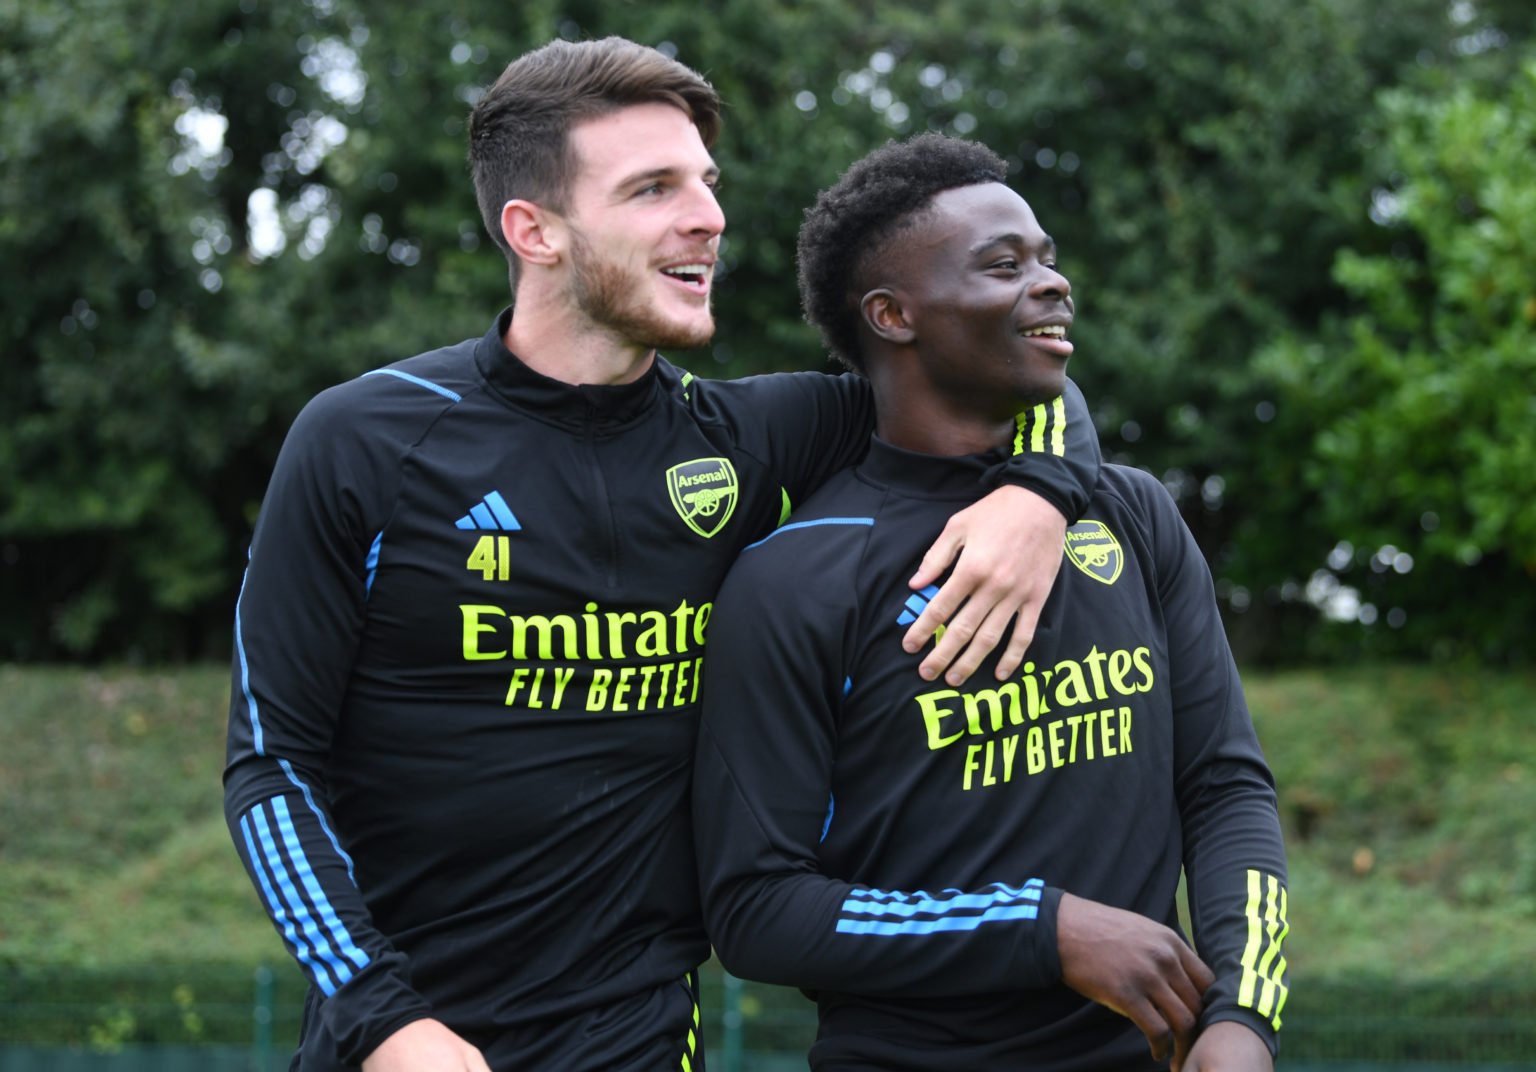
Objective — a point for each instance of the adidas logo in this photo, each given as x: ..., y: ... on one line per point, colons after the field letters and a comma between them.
x: 491, y: 513
x: 916, y: 603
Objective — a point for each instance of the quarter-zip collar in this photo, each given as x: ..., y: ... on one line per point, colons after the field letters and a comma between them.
x: 927, y: 476
x: 596, y: 407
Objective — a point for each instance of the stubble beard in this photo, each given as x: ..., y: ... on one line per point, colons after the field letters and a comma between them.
x: 616, y: 301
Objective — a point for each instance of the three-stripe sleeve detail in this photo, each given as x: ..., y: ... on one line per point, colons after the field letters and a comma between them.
x: 1043, y: 429
x: 885, y: 913
x: 297, y: 903
x: 1262, y: 987
x: 692, y: 1049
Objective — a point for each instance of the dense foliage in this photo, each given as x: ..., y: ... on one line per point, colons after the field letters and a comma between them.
x: 208, y: 212
x: 1420, y: 398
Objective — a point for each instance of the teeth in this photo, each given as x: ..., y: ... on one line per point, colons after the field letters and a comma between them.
x: 1055, y: 331
x: 697, y: 271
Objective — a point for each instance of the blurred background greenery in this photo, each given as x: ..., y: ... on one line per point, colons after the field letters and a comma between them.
x: 1302, y: 239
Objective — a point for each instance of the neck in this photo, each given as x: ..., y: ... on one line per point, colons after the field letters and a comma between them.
x: 912, y: 415
x: 555, y: 340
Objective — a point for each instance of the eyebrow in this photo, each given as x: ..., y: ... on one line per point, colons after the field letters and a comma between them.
x: 1011, y: 238
x: 639, y: 177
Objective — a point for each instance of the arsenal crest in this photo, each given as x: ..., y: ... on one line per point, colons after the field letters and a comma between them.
x: 1093, y: 549
x: 703, y: 492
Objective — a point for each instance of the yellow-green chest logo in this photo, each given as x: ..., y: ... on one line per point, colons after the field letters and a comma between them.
x: 1093, y: 549
x: 704, y: 493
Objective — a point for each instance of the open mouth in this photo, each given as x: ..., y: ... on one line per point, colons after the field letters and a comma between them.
x: 695, y: 277
x: 1051, y: 337
x: 1050, y: 331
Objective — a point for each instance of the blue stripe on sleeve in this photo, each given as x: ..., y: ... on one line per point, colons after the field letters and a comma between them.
x: 372, y: 565
x: 920, y: 907
x: 811, y: 524
x: 297, y: 909
x: 950, y: 910
x: 306, y: 876
x: 937, y: 926
x: 418, y: 381
x: 260, y: 865
x: 309, y: 798
x: 245, y: 669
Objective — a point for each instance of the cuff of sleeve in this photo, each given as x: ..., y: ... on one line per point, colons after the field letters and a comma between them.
x: 371, y: 1007
x: 1260, y: 1026
x: 1044, y: 955
x: 998, y: 475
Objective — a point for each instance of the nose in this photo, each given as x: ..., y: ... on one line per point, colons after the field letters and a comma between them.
x: 704, y: 217
x: 1049, y: 285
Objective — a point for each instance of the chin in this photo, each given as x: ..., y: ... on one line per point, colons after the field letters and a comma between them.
x: 1042, y: 390
x: 687, y: 334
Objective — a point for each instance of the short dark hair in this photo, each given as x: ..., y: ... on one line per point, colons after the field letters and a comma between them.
x: 519, y: 130
x: 850, y: 223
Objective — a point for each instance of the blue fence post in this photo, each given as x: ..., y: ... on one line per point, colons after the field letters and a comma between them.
x: 262, y: 1016
x: 731, y: 1047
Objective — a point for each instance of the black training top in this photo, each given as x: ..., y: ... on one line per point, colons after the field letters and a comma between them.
x: 468, y: 654
x: 899, y: 847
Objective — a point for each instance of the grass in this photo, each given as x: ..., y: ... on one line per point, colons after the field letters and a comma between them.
x: 113, y: 849
x: 1407, y: 795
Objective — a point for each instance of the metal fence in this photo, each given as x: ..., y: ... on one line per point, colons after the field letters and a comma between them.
x: 222, y: 1021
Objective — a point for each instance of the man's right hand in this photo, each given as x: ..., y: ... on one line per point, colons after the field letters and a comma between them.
x: 425, y: 1046
x: 1139, y: 968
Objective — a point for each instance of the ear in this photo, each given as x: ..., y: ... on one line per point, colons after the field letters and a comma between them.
x: 883, y: 313
x: 536, y: 235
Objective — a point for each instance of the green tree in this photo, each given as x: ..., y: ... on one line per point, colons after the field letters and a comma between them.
x: 1420, y: 401
x: 136, y: 378
x: 222, y: 208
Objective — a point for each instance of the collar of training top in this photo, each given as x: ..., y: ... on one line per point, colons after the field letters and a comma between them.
x: 588, y: 405
x: 928, y: 475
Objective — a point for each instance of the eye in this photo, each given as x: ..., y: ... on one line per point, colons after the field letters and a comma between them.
x: 650, y: 190
x: 1005, y: 264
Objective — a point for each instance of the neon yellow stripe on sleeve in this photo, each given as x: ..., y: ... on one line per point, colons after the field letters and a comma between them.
x: 1262, y: 987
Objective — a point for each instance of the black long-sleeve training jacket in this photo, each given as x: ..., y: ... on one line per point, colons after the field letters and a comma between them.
x: 899, y: 848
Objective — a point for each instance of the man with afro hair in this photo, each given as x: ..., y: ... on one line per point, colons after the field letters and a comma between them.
x: 981, y: 877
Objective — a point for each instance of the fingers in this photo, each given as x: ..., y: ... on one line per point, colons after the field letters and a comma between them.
x: 1198, y: 971
x: 1005, y: 551
x: 1136, y: 967
x: 1164, y: 1016
x: 970, y: 614
x: 425, y: 1044
x: 938, y: 610
x: 966, y: 641
x: 938, y: 559
x: 1018, y: 643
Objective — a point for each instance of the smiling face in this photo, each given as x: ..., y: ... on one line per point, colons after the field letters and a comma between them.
x: 976, y: 279
x: 644, y: 227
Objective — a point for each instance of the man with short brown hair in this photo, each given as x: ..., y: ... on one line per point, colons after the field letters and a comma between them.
x: 470, y: 639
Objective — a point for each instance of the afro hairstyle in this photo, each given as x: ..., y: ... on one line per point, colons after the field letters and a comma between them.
x: 852, y: 221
